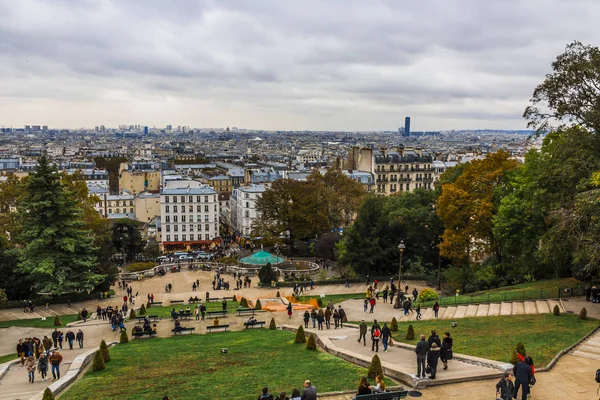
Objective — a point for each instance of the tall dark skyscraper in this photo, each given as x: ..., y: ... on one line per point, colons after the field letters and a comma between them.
x: 145, y: 130
x: 406, y: 126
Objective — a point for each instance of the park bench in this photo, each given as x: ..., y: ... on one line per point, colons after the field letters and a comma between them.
x: 156, y: 303
x: 185, y: 315
x: 212, y: 327
x: 153, y: 318
x: 245, y: 311
x: 182, y: 329
x: 192, y: 301
x: 214, y: 314
x: 229, y: 298
x: 253, y: 324
x: 143, y: 333
x: 383, y: 396
x: 212, y: 299
x: 177, y: 301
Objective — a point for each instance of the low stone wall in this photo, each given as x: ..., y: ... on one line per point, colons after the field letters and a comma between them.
x: 5, y: 366
x: 77, y: 367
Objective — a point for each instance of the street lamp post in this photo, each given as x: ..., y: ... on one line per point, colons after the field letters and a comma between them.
x: 401, y: 248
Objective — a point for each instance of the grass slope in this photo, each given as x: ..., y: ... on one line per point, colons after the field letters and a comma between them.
x: 495, y: 338
x: 191, y: 367
x: 8, y: 357
x: 38, y: 323
x: 165, y: 311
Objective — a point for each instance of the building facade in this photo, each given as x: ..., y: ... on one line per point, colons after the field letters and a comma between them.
x: 242, y: 208
x: 402, y: 171
x: 189, y: 215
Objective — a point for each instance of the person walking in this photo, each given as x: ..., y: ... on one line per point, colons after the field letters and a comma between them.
x: 197, y: 312
x: 375, y: 336
x: 415, y: 293
x: 224, y: 305
x: 419, y: 312
x: 59, y: 337
x: 21, y: 351
x: 421, y: 350
x: 386, y: 333
x: 84, y: 315
x: 47, y: 342
x: 436, y: 309
x: 433, y: 357
x: 446, y: 351
x: 505, y: 387
x: 372, y: 304
x: 365, y: 305
x: 55, y: 360
x: 30, y: 365
x: 385, y: 294
x: 290, y: 310
x: 523, y: 375
x: 43, y: 366
x: 306, y: 318
x: 203, y: 311
x: 313, y: 317
x: 328, y: 318
x: 320, y: 319
x: 342, y: 314
x: 336, y: 318
x: 55, y: 338
x: 70, y: 338
x: 79, y: 338
x: 363, y: 332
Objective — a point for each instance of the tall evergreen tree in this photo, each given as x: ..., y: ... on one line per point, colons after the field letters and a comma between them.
x: 58, y: 255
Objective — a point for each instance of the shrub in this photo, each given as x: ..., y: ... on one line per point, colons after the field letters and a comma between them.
x: 104, y: 351
x: 278, y: 294
x: 410, y: 333
x: 300, y: 335
x: 148, y: 305
x: 98, y: 363
x: 375, y: 368
x: 244, y: 303
x: 132, y: 314
x: 57, y: 321
x: 79, y: 317
x: 520, y: 348
x: 320, y: 302
x: 556, y: 310
x: 257, y: 305
x: 583, y: 313
x: 140, y: 266
x: 394, y: 325
x: 267, y: 274
x: 427, y: 294
x: 311, y: 343
x: 142, y: 310
x: 272, y: 324
x: 124, y: 338
x: 48, y: 395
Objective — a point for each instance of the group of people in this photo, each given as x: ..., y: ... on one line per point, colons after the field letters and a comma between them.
x: 523, y: 375
x: 430, y: 351
x: 146, y: 327
x: 322, y: 318
x: 365, y: 388
x: 377, y: 333
x: 37, y: 355
x: 309, y: 392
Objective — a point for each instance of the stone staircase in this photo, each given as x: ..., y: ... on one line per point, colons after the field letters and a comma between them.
x: 490, y: 310
x: 39, y: 312
x: 590, y: 348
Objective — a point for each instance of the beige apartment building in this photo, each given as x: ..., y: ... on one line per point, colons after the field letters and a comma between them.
x: 147, y: 206
x: 138, y: 181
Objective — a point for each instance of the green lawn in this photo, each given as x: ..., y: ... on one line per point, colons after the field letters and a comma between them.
x: 524, y: 291
x: 8, y: 357
x: 543, y: 335
x: 336, y: 298
x: 38, y: 323
x: 192, y: 367
x: 165, y: 311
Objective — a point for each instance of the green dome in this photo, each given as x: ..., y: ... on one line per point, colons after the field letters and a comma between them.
x: 262, y: 258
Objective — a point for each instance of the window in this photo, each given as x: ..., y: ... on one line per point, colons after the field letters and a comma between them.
x: 168, y: 228
x: 198, y: 208
x: 174, y: 199
x: 190, y: 199
x: 166, y: 199
x: 183, y: 209
x: 247, y: 214
x: 182, y: 228
x: 207, y: 227
x: 198, y: 199
x: 246, y: 195
x: 176, y: 228
x: 131, y: 210
x: 215, y: 207
x: 199, y: 227
x: 166, y: 208
x: 207, y: 236
x: 183, y: 199
x: 174, y: 218
x: 130, y: 202
x: 118, y: 211
x: 206, y: 199
x: 205, y: 208
x: 168, y: 238
x: 206, y: 218
x: 192, y: 237
x: 247, y: 205
x: 183, y: 218
x: 176, y: 238
x: 183, y: 237
x: 167, y: 218
x: 191, y: 209
x: 174, y: 208
x: 110, y: 210
x: 191, y: 227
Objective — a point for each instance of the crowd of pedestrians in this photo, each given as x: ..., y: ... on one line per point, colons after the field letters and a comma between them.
x: 37, y: 355
x: 321, y: 319
x: 429, y: 352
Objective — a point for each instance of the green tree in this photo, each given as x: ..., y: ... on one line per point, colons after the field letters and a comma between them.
x: 311, y: 343
x: 300, y: 335
x: 266, y: 274
x: 58, y: 253
x: 104, y: 351
x: 3, y: 297
x: 375, y: 368
x: 127, y: 238
x: 48, y: 395
x: 98, y: 362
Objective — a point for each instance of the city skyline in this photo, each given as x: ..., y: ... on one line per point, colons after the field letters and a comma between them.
x: 314, y: 66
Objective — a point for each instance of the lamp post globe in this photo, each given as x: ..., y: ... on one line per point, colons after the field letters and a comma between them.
x: 399, y: 296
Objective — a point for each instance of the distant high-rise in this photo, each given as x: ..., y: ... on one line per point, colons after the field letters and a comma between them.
x: 406, y: 127
x: 145, y: 130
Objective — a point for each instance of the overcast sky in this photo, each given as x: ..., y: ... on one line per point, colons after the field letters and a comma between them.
x: 321, y: 65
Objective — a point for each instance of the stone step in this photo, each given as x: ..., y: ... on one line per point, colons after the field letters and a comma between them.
x: 589, y: 349
x: 448, y: 313
x: 461, y: 311
x: 427, y: 313
x: 471, y: 310
x: 530, y: 307
x: 518, y: 308
x: 542, y: 306
x: 505, y: 308
x: 580, y: 353
x: 494, y: 310
x: 482, y: 310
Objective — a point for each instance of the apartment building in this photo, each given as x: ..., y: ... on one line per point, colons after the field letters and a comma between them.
x: 189, y: 215
x: 242, y: 208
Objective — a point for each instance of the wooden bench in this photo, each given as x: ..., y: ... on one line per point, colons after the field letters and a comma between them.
x: 212, y: 327
x: 186, y: 315
x: 245, y: 311
x: 229, y: 298
x: 383, y: 396
x: 177, y: 301
x: 214, y: 314
x: 212, y: 299
x: 182, y: 329
x: 256, y: 323
x: 156, y: 303
x: 143, y: 333
x: 153, y: 318
x: 195, y: 301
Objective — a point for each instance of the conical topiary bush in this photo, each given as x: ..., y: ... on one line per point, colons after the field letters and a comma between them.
x: 57, y: 321
x: 258, y: 306
x: 142, y: 310
x: 104, y: 351
x: 272, y: 324
x: 300, y: 335
x: 410, y: 333
x: 48, y: 395
x: 98, y: 363
x: 583, y: 313
x: 394, y: 325
x: 123, y: 338
x: 132, y: 314
x: 556, y: 310
x: 375, y: 368
x: 311, y: 343
x: 520, y: 348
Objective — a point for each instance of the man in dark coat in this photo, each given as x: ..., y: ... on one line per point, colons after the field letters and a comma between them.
x: 522, y: 372
x: 433, y: 357
x: 505, y: 387
x: 363, y: 332
x: 421, y: 351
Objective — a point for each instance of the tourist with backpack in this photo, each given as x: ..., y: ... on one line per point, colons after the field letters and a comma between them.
x: 375, y: 336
